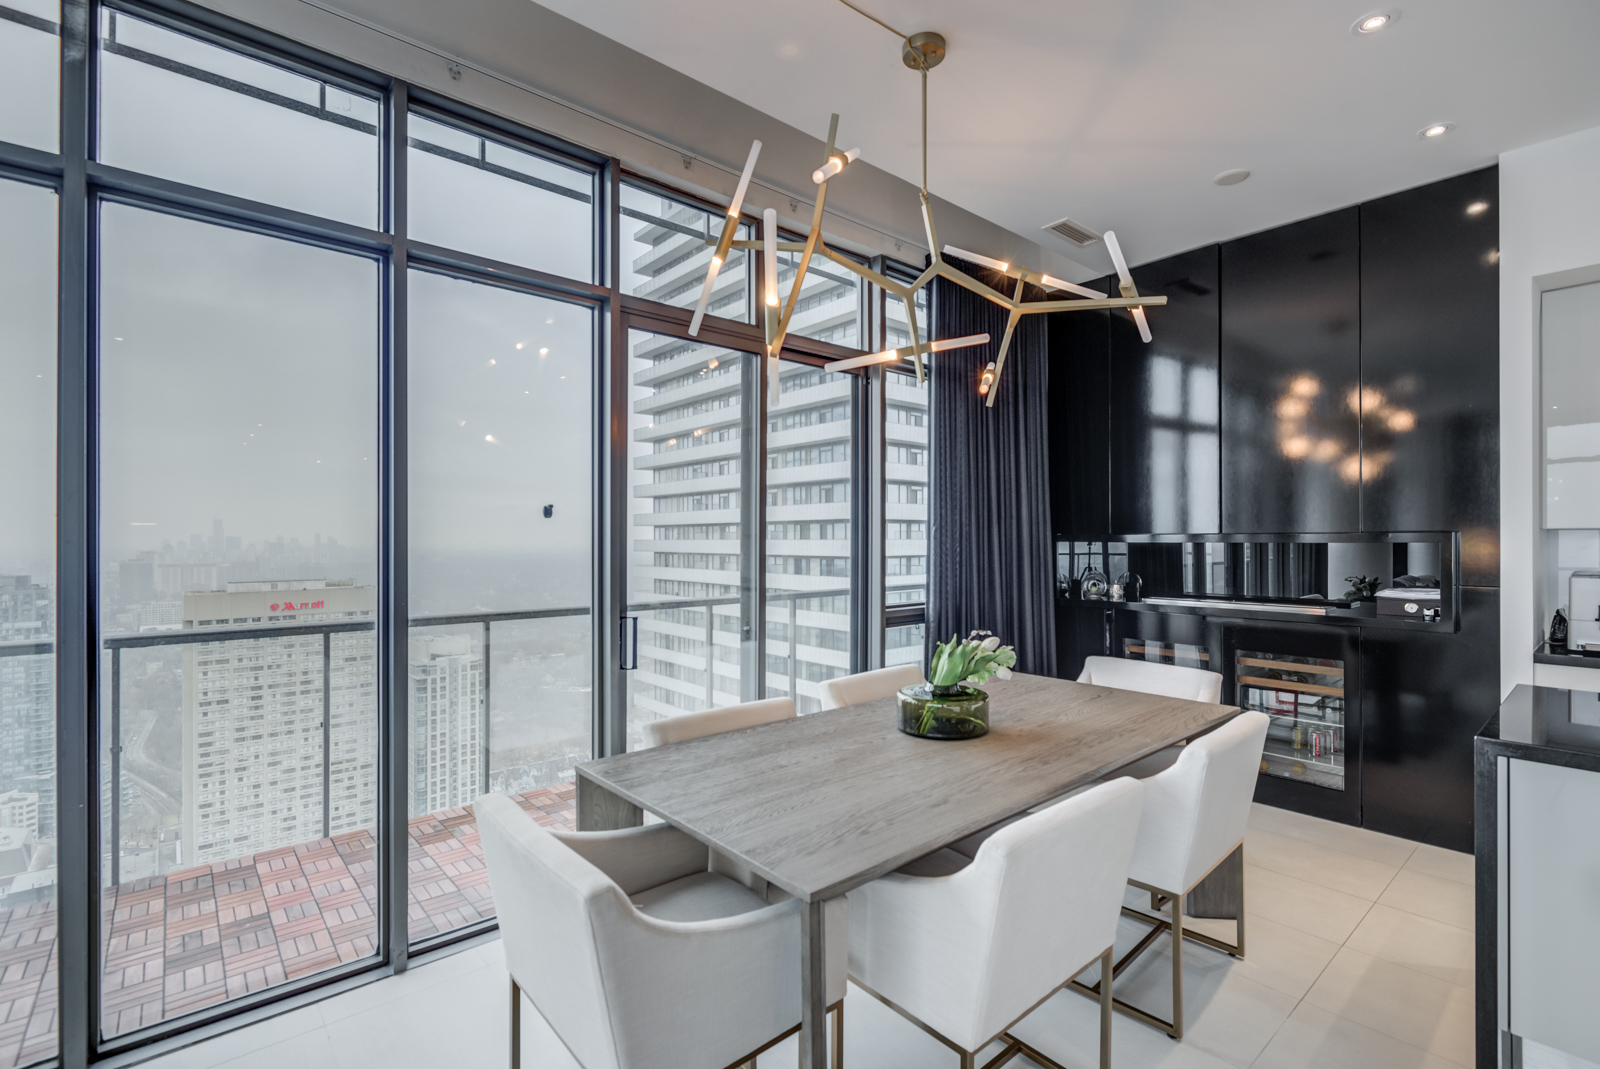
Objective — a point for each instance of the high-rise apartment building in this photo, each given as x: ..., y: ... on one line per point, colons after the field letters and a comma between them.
x: 691, y: 486
x: 256, y: 774
x: 446, y: 703
x: 27, y: 696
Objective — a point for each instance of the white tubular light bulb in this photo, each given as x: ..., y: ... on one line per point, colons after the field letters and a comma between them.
x: 705, y: 294
x: 836, y: 163
x: 987, y: 381
x: 1071, y: 287
x: 744, y: 180
x: 986, y: 261
x: 1115, y: 249
x: 895, y: 354
x: 769, y: 239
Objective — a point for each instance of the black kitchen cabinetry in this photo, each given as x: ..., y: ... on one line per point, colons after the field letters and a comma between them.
x: 1423, y: 697
x: 1080, y: 398
x: 1165, y: 452
x: 1430, y: 351
x: 1291, y: 361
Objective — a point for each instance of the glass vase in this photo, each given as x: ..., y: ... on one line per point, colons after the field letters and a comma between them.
x: 958, y: 712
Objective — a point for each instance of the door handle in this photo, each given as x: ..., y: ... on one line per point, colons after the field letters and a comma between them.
x: 628, y: 644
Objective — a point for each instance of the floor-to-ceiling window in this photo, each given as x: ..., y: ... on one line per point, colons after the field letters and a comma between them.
x: 343, y: 358
x: 238, y: 529
x: 905, y: 488
x: 28, y: 837
x: 500, y: 660
x: 810, y: 510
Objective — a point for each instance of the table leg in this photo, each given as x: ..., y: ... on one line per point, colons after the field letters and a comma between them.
x: 600, y: 810
x: 813, y: 988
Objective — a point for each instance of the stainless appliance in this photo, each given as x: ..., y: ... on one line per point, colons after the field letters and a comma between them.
x: 1583, y: 609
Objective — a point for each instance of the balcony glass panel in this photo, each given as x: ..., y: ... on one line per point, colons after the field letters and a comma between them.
x: 181, y: 108
x: 686, y: 565
x: 499, y: 201
x: 665, y: 254
x: 239, y: 476
x: 502, y: 533
x: 30, y: 73
x: 809, y: 518
x: 27, y: 617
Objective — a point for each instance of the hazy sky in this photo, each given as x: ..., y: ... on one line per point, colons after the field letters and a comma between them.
x: 239, y: 380
x: 27, y: 377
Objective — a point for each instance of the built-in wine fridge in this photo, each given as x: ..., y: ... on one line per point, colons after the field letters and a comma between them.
x: 1303, y: 679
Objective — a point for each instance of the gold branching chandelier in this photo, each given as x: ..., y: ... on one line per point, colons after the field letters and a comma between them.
x: 921, y: 52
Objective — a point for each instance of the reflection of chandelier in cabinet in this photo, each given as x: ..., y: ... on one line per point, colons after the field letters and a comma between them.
x: 921, y: 52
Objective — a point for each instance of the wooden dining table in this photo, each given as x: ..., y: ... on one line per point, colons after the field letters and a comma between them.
x: 821, y: 804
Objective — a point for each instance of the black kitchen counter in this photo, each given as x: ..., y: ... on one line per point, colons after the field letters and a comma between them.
x: 1548, y: 654
x: 1533, y: 724
x: 1361, y: 614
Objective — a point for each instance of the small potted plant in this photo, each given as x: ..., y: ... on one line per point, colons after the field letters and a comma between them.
x: 949, y: 706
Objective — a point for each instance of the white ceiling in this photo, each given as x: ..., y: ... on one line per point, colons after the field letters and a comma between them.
x: 1121, y: 114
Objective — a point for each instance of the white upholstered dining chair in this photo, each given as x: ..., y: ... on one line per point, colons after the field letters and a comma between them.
x: 869, y: 686
x: 965, y: 948
x: 1151, y: 677
x: 1194, y: 819
x: 716, y: 721
x: 636, y: 955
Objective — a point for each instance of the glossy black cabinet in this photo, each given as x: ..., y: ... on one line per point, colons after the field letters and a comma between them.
x: 1291, y: 359
x: 1080, y: 493
x: 1165, y: 449
x: 1430, y: 350
x: 1423, y: 698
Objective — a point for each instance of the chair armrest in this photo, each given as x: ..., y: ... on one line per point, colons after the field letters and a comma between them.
x: 636, y: 859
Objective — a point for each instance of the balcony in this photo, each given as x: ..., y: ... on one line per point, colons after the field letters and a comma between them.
x: 191, y: 938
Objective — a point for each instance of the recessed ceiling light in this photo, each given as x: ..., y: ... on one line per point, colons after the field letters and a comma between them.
x: 1438, y: 129
x: 1231, y: 178
x: 1477, y: 207
x: 1377, y: 20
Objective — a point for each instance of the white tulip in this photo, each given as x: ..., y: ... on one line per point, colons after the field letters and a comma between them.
x: 991, y: 644
x: 1003, y: 673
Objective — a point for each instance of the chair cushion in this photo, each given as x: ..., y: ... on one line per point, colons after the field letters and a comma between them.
x: 702, y: 897
x: 939, y: 863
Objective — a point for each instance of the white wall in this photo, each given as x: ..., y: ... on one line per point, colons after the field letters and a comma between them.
x: 526, y: 63
x: 1549, y: 224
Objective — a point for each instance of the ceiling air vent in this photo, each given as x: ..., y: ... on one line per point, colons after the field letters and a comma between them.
x: 1073, y: 231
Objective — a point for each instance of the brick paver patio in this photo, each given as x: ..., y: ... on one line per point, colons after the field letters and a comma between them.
x: 177, y: 943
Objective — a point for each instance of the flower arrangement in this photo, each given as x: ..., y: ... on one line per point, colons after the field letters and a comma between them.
x: 977, y: 660
x: 949, y: 705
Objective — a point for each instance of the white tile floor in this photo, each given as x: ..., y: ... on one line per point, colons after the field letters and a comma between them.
x: 1359, y: 956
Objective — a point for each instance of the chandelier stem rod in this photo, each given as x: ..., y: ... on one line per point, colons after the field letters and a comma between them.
x: 924, y: 132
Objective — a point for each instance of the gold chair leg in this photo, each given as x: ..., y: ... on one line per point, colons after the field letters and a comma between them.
x: 838, y: 1035
x: 1106, y: 979
x: 1176, y: 1031
x: 516, y: 1025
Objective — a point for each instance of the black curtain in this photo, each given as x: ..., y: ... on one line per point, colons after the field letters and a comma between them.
x: 991, y: 563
